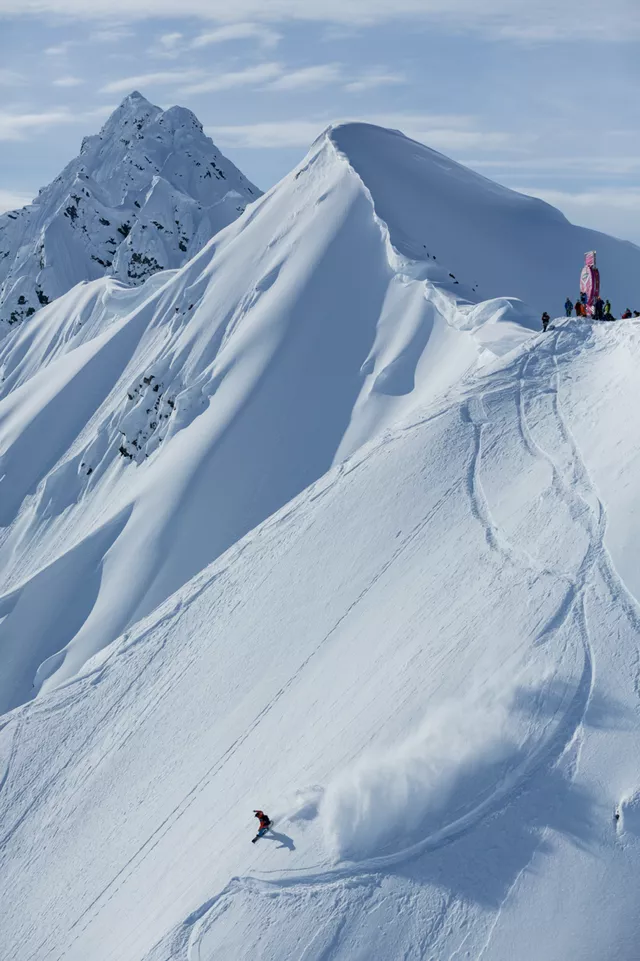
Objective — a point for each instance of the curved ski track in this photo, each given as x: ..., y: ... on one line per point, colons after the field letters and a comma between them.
x: 533, y: 377
x: 536, y: 376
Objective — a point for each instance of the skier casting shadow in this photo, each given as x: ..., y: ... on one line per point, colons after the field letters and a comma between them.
x: 266, y: 825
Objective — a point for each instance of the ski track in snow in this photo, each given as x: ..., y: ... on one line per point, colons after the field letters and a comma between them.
x: 534, y: 384
x: 537, y: 380
x: 578, y: 490
x: 295, y: 338
x: 67, y: 694
x: 536, y: 377
x: 154, y: 839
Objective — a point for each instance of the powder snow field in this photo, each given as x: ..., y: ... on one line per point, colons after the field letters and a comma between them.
x: 145, y: 194
x: 312, y: 525
x: 425, y: 668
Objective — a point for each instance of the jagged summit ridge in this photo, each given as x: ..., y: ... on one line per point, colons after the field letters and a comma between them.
x: 144, y: 194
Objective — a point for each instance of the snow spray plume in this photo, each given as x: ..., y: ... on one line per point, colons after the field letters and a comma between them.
x: 390, y: 800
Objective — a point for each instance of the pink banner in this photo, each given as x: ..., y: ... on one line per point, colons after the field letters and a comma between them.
x: 590, y: 282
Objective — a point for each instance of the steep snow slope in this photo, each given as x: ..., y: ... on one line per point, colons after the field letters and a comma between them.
x: 145, y: 194
x: 144, y: 432
x: 425, y: 668
x: 494, y: 241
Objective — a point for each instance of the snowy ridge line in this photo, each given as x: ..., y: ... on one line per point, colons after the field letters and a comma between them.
x: 397, y: 263
x: 407, y: 269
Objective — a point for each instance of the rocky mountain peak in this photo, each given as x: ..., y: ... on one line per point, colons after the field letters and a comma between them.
x: 144, y: 194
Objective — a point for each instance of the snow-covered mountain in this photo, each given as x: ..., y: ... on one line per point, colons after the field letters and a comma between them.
x: 145, y: 194
x: 145, y: 430
x: 321, y: 524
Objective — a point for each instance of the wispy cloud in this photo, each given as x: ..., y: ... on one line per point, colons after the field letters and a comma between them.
x: 443, y: 132
x: 60, y: 50
x: 443, y: 138
x: 376, y: 78
x: 11, y: 78
x: 622, y: 198
x: 319, y: 75
x: 270, y: 75
x: 503, y: 19
x: 614, y: 210
x: 160, y: 78
x: 168, y: 46
x: 265, y: 36
x: 272, y: 134
x: 250, y: 76
x: 16, y: 125
x: 13, y: 199
x: 584, y: 165
x: 110, y: 34
x: 68, y: 82
x: 170, y: 40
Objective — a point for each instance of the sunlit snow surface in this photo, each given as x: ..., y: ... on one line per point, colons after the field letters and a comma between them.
x: 145, y: 194
x: 416, y: 646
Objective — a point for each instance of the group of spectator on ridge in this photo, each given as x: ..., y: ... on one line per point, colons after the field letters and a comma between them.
x: 601, y: 311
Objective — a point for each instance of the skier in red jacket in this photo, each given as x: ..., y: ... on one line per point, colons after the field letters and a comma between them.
x: 265, y: 824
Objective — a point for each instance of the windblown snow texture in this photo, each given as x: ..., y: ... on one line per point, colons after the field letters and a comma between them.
x: 312, y: 525
x: 145, y: 194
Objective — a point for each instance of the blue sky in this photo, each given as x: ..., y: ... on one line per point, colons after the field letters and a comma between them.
x: 542, y: 99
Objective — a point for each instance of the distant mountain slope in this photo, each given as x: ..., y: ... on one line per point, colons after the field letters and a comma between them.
x: 145, y: 194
